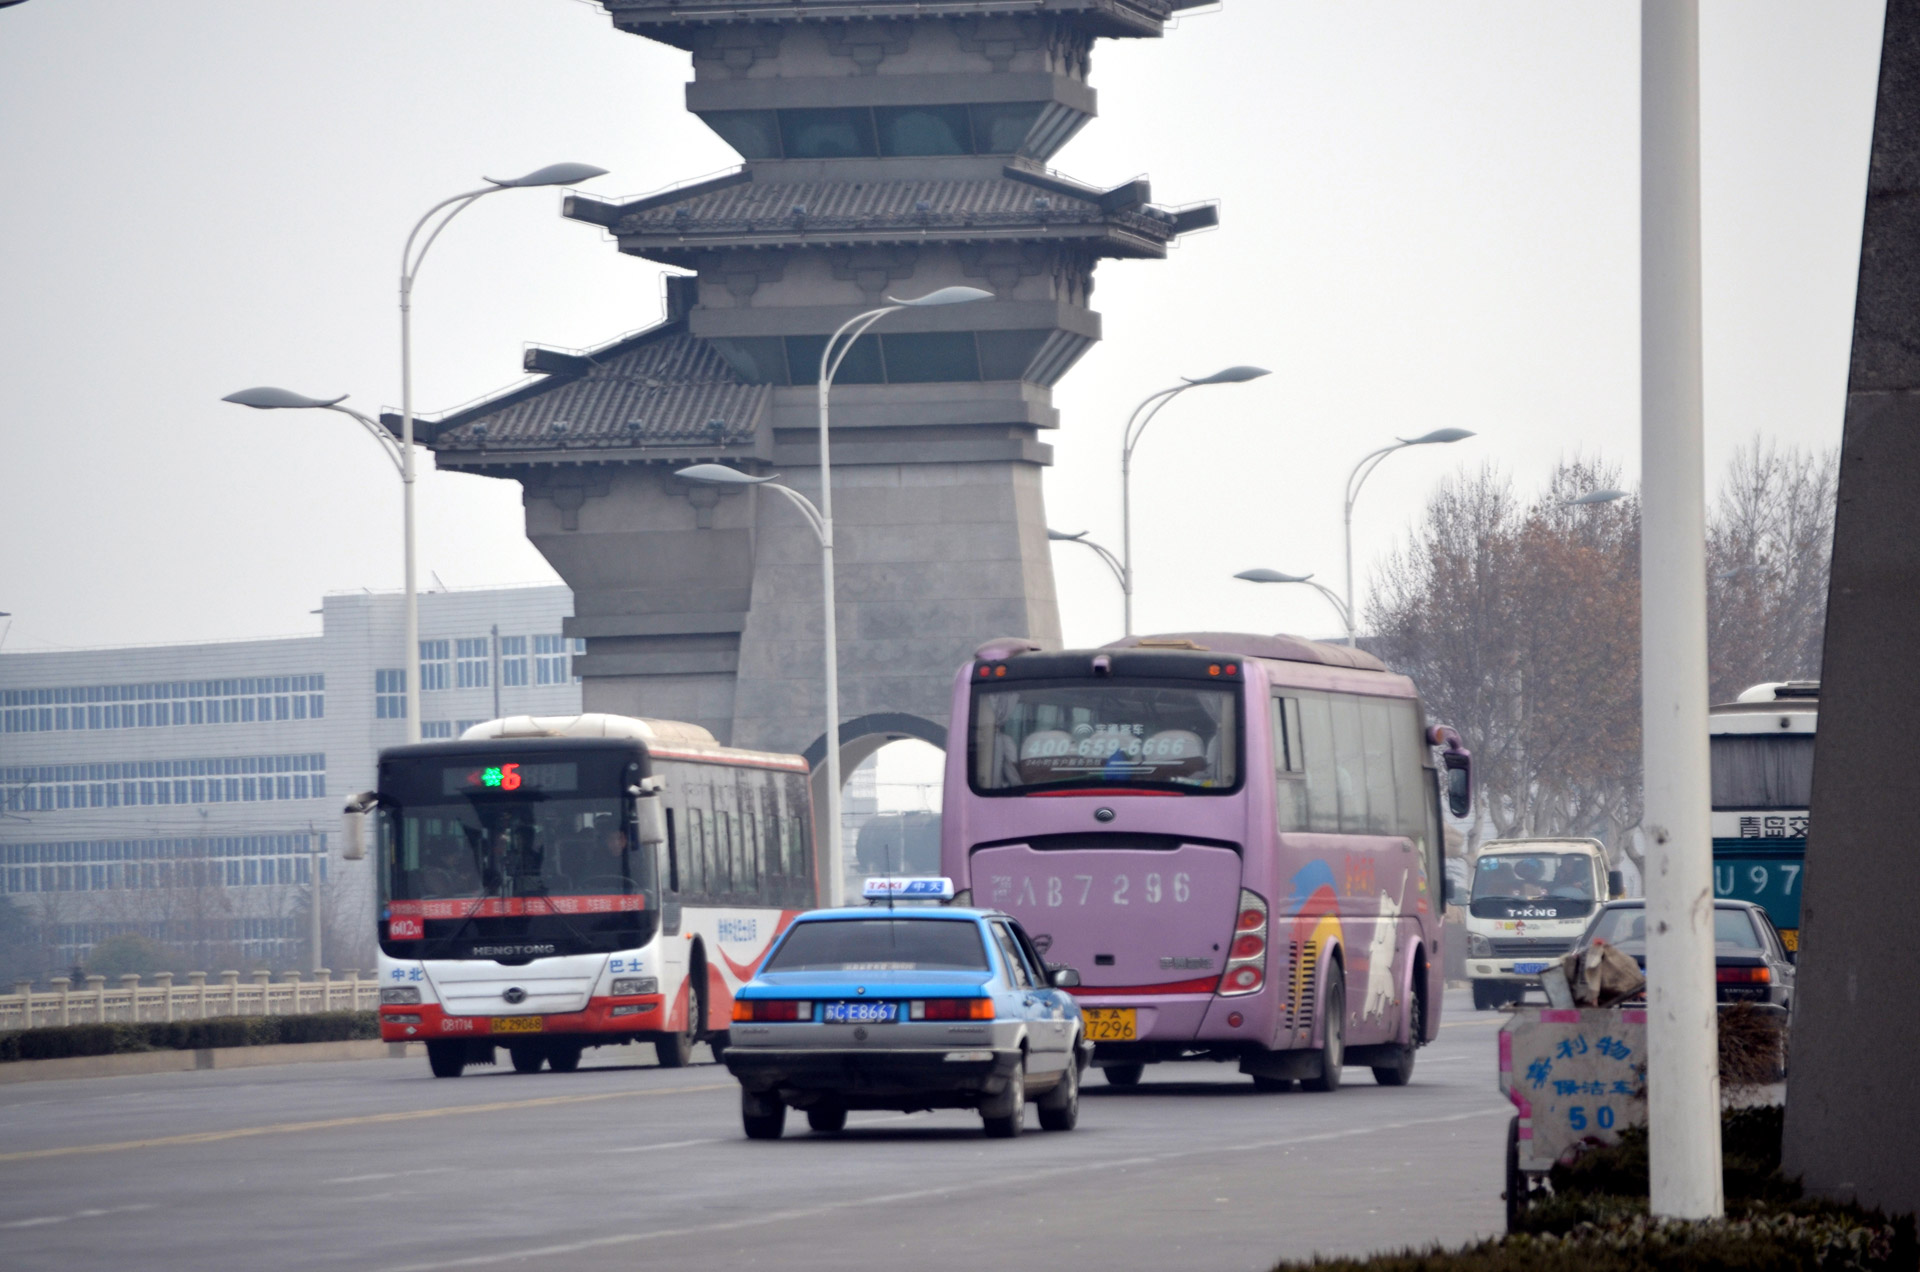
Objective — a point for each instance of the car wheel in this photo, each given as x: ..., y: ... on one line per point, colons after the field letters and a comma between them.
x: 1060, y: 1107
x: 1333, y: 1042
x: 1485, y: 998
x: 827, y: 1117
x: 1005, y: 1115
x: 447, y: 1059
x: 718, y: 1043
x: 565, y: 1059
x: 527, y: 1059
x: 1400, y: 1072
x: 763, y: 1117
x: 1272, y: 1084
x: 1518, y: 1188
x: 1124, y: 1075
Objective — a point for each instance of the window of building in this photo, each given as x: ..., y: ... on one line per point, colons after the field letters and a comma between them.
x: 431, y: 729
x: 163, y: 704
x: 436, y: 665
x: 513, y: 661
x: 472, y: 658
x: 390, y: 694
x: 551, y: 663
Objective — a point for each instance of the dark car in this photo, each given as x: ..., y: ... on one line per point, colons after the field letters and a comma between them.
x: 1750, y: 962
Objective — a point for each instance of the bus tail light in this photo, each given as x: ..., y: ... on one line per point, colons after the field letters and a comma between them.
x: 772, y: 1009
x: 1246, y: 969
x: 950, y: 1009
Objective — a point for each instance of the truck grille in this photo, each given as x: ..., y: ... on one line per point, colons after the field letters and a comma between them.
x: 1531, y: 947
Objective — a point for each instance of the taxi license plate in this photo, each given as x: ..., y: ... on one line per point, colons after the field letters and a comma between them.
x: 1110, y: 1024
x: 1529, y: 969
x: 519, y: 1024
x: 860, y: 1013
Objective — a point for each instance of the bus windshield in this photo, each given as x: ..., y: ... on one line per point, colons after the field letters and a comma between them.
x: 1510, y: 884
x: 1103, y: 734
x: 514, y: 848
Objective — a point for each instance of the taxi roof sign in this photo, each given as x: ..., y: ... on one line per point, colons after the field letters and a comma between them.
x: 900, y: 889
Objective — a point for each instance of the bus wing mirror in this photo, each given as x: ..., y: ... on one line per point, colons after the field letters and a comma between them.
x: 1459, y: 783
x: 354, y: 822
x: 650, y: 819
x: 1616, y: 885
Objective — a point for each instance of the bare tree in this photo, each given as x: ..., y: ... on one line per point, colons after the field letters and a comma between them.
x: 1769, y: 557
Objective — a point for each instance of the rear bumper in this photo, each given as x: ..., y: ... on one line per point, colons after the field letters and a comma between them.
x: 429, y: 1021
x: 924, y: 1076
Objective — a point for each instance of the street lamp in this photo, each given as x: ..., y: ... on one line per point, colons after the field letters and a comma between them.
x: 554, y: 174
x: 1136, y: 425
x: 1333, y: 599
x: 1594, y: 497
x: 1358, y: 478
x: 820, y: 520
x: 1106, y: 556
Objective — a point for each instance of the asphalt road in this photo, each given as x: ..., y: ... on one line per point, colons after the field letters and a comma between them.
x: 376, y: 1165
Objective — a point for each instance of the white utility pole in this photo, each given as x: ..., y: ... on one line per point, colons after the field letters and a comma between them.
x: 1683, y: 1065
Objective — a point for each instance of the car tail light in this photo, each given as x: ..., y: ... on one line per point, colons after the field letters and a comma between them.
x: 950, y: 1009
x: 772, y: 1009
x: 1744, y: 975
x: 1246, y: 968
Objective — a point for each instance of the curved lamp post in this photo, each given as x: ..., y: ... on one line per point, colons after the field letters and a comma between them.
x: 265, y: 398
x: 1136, y: 425
x: 1105, y: 554
x: 1594, y: 497
x: 1333, y: 598
x: 1358, y: 478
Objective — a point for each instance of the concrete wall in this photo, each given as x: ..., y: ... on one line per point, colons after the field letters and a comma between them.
x: 1853, y: 1126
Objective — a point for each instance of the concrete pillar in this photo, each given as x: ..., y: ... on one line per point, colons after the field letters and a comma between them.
x: 165, y: 981
x: 63, y: 986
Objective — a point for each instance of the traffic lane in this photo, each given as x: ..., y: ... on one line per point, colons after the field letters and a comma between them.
x: 1192, y: 1162
x: 660, y: 1160
x: 43, y: 1115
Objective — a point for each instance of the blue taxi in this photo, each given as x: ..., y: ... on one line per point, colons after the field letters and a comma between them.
x: 904, y: 1007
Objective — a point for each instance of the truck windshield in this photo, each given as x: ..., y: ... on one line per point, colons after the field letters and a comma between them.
x: 1509, y: 885
x: 881, y: 945
x: 1104, y: 734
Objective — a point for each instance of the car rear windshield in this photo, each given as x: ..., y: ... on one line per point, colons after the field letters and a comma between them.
x: 1627, y: 925
x: 881, y: 945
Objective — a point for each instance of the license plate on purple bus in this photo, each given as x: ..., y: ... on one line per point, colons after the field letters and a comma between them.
x: 1529, y: 969
x: 860, y: 1013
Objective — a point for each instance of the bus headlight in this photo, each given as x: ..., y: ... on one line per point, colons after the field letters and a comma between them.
x: 400, y: 994
x: 627, y: 986
x: 1478, y: 946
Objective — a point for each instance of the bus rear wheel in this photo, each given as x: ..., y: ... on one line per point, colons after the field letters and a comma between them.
x: 527, y: 1059
x: 1400, y: 1072
x: 674, y: 1050
x: 565, y: 1058
x: 1333, y: 1041
x: 1124, y: 1075
x: 447, y: 1059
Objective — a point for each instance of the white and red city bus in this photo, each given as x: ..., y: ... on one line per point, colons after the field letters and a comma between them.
x: 552, y: 884
x: 1236, y: 841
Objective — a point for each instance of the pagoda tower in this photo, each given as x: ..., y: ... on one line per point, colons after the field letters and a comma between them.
x: 889, y: 148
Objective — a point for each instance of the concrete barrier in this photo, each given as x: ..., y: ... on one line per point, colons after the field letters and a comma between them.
x: 141, y: 1062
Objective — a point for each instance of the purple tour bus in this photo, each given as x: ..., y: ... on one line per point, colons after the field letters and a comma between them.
x: 1236, y: 840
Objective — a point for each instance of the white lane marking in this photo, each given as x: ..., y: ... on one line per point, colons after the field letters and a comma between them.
x: 391, y: 1174
x: 43, y: 1220
x: 929, y: 1194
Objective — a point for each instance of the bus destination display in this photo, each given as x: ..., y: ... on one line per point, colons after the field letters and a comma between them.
x: 488, y: 779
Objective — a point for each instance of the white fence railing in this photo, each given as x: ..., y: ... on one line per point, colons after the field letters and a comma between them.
x: 227, y: 995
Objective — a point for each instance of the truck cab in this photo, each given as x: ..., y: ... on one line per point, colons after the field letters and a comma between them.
x: 1529, y: 901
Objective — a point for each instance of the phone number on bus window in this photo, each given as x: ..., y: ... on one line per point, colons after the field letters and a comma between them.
x: 1055, y: 890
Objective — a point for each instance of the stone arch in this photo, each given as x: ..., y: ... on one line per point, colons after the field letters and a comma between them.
x: 860, y: 737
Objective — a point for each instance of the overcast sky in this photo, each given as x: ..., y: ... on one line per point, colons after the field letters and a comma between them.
x: 1429, y: 218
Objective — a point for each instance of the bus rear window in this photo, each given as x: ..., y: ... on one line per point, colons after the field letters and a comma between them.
x: 1104, y: 734
x: 881, y: 945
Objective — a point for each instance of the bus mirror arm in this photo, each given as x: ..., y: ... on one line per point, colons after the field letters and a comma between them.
x: 649, y: 819
x: 1616, y: 885
x: 1459, y: 767
x: 354, y: 822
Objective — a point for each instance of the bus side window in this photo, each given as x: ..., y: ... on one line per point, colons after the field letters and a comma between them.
x: 697, y: 846
x: 1411, y: 781
x: 1316, y: 747
x: 1377, y: 734
x: 673, y: 857
x: 1290, y: 784
x: 1349, y: 768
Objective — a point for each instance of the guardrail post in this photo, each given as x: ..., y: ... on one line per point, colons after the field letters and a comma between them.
x: 325, y: 979
x: 263, y: 979
x: 165, y: 981
x: 97, y: 986
x: 230, y: 981
x: 292, y: 979
x: 24, y: 988
x: 130, y: 986
x: 63, y: 986
x: 197, y: 983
